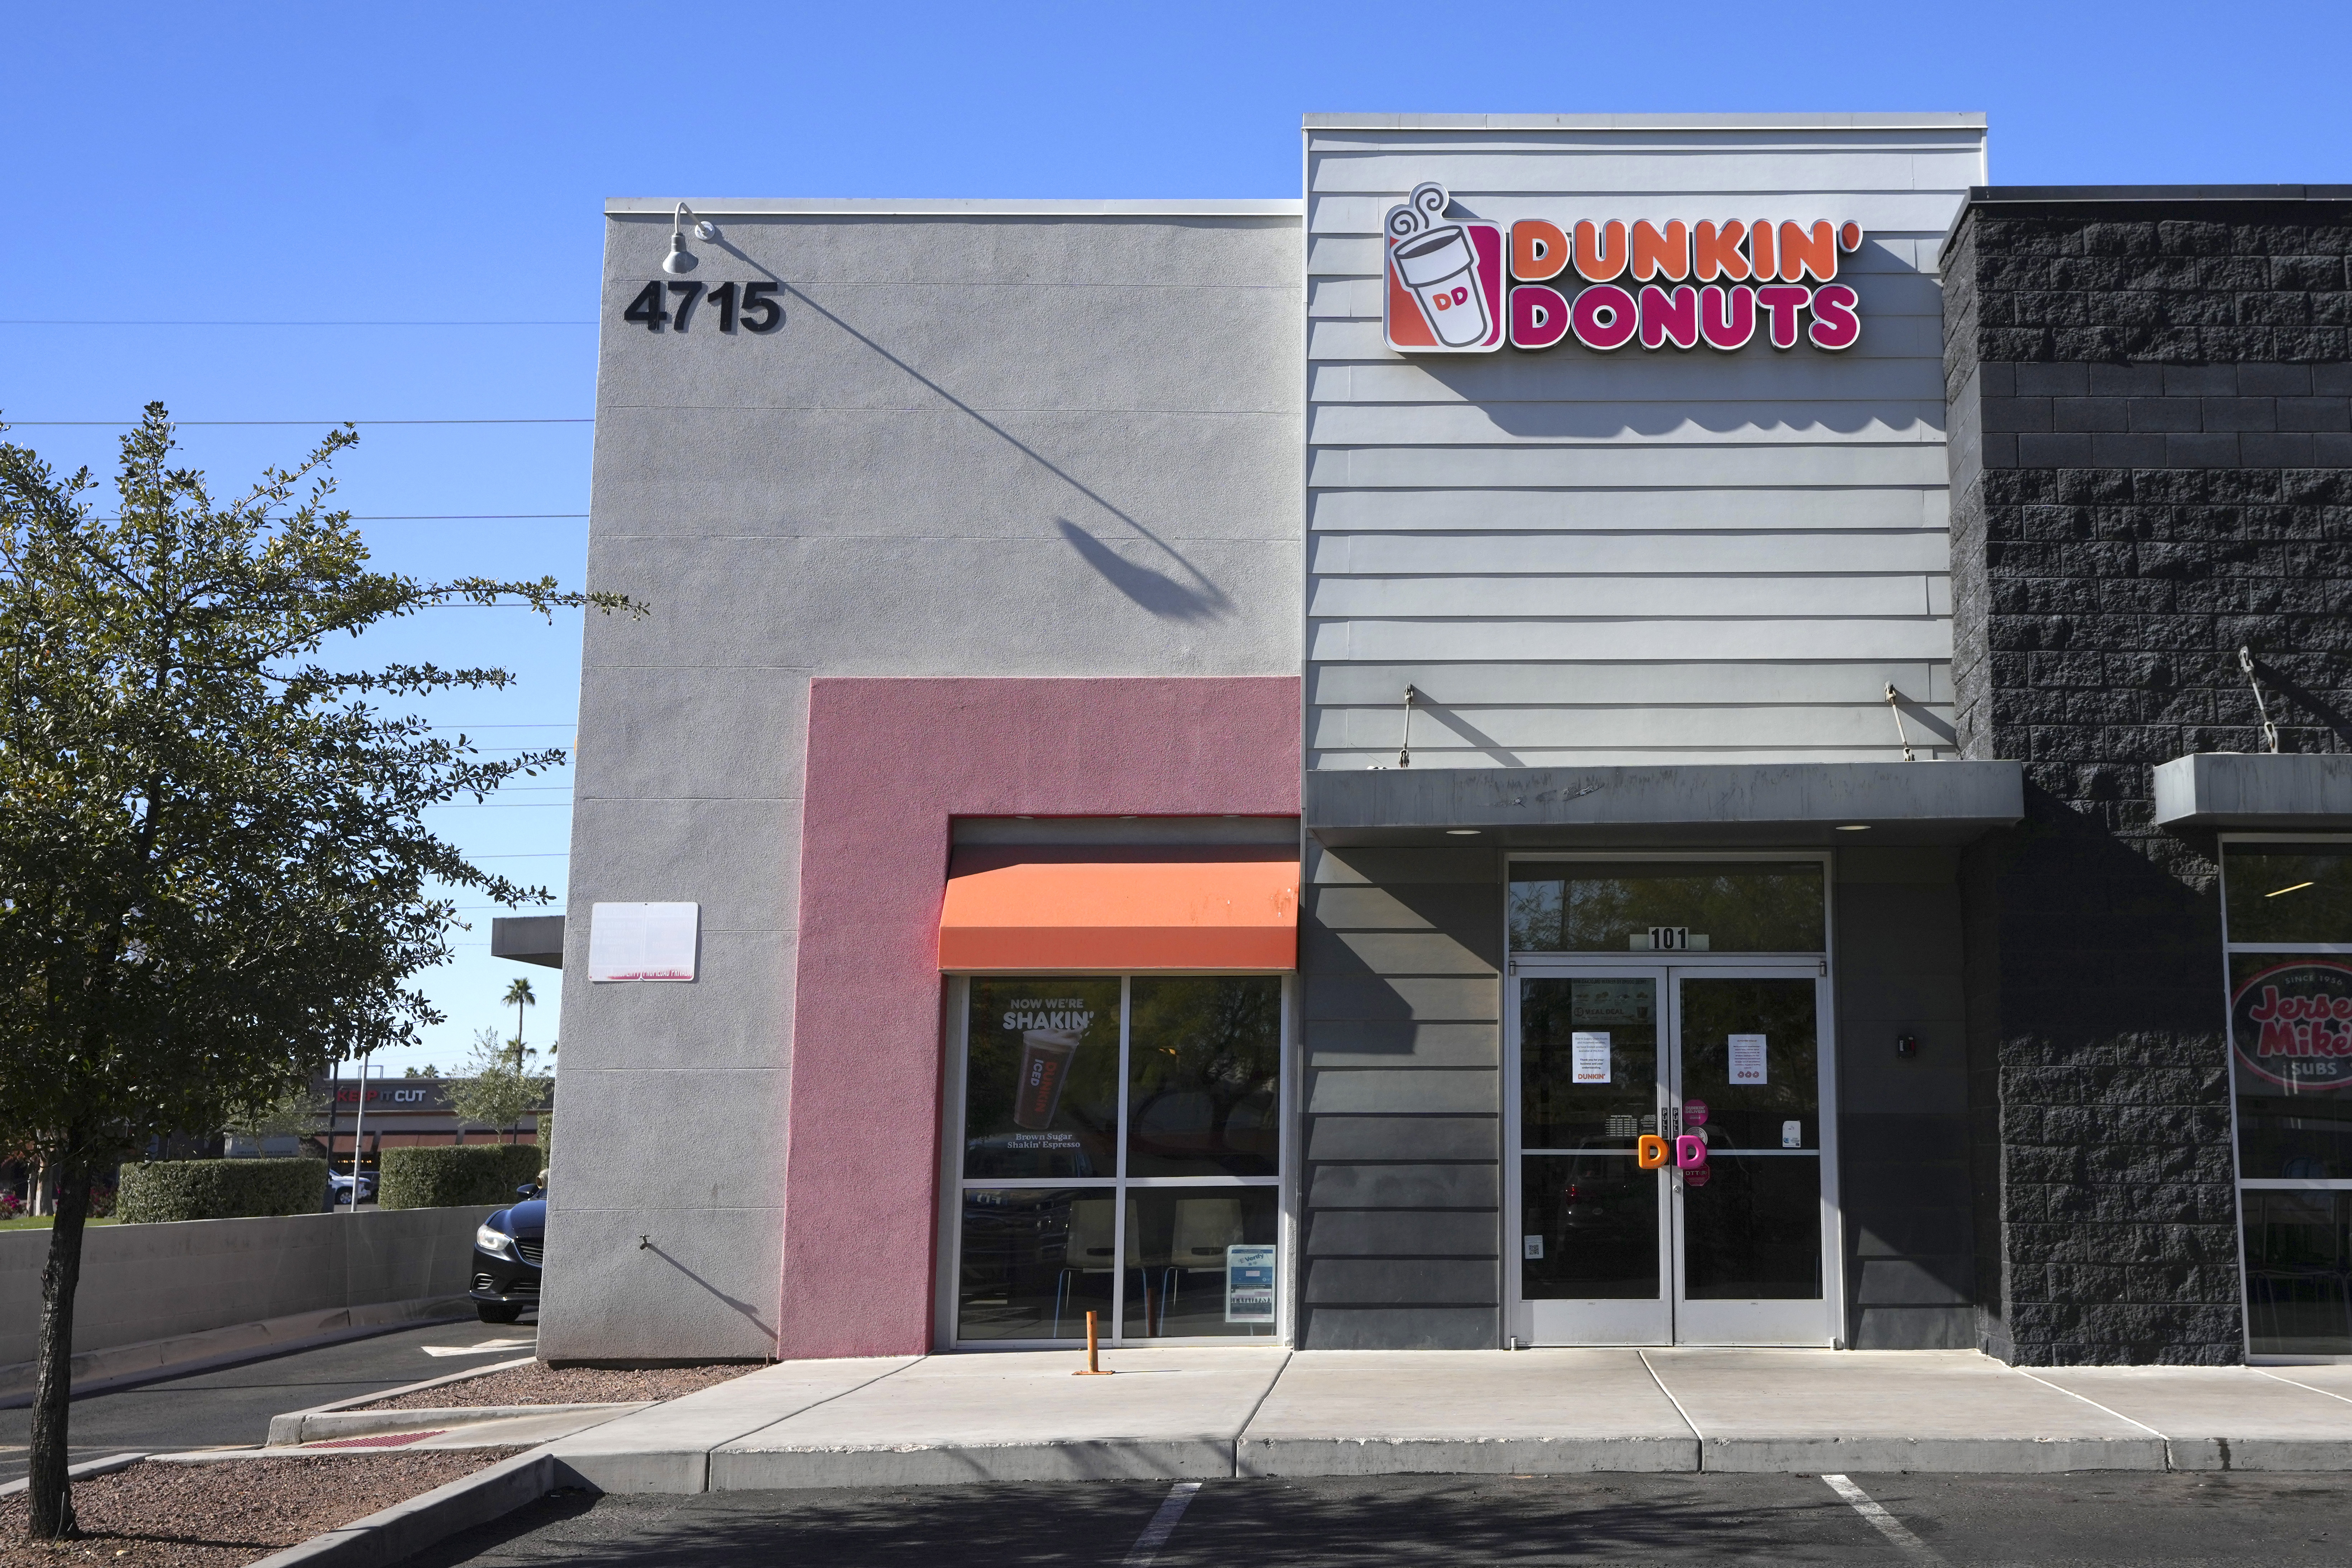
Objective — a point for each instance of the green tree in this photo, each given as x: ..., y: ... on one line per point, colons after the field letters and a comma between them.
x: 294, y: 1112
x: 498, y: 1088
x: 214, y: 872
x: 518, y: 998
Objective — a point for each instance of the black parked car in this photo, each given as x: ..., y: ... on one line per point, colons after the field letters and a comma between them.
x: 507, y: 1250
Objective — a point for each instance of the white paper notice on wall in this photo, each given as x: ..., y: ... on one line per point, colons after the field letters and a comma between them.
x: 1748, y: 1058
x: 1588, y: 1056
x: 643, y: 942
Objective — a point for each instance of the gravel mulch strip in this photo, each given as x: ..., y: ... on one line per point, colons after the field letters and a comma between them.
x: 226, y: 1514
x: 568, y: 1386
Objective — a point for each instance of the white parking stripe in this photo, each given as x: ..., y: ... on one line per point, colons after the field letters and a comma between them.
x: 1163, y: 1524
x: 1886, y: 1524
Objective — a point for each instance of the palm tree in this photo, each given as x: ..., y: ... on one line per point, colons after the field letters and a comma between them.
x: 518, y: 997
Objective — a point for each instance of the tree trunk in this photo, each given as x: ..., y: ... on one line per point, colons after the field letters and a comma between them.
x: 52, y: 1501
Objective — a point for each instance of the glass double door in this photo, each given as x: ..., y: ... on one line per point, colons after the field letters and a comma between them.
x: 1667, y: 1147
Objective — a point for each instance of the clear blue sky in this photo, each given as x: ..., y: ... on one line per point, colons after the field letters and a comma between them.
x: 416, y: 162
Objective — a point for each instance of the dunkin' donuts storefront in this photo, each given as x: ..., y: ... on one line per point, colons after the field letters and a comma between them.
x: 1605, y: 731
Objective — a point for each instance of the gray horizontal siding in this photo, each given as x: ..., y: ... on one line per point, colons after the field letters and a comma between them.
x: 1632, y: 510
x: 1700, y: 685
x: 1917, y: 212
x: 1341, y: 1138
x: 1627, y: 171
x: 1521, y: 531
x: 1381, y: 1281
x: 1405, y: 1186
x: 1398, y: 1233
x: 1400, y: 953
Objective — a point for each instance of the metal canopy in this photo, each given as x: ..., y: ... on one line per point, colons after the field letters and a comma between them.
x: 1777, y: 804
x: 529, y: 938
x: 2255, y: 789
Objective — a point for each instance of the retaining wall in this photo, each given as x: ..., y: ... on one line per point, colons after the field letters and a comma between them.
x: 145, y: 1283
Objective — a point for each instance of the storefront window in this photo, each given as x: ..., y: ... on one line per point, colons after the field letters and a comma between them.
x: 2289, y: 913
x: 1121, y: 1153
x: 1641, y: 906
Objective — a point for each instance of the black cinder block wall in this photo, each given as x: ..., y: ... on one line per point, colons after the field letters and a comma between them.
x: 2151, y: 463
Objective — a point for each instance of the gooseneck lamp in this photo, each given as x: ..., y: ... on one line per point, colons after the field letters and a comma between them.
x: 681, y: 259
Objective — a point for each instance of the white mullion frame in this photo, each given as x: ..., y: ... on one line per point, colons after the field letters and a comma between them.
x: 1119, y: 1174
x: 2242, y: 1184
x: 1822, y: 961
x: 954, y: 1184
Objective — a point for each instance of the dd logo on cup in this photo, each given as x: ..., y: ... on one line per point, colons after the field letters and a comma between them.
x: 1444, y: 288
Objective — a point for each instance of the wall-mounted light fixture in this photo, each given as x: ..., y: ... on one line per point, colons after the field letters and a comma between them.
x: 681, y: 259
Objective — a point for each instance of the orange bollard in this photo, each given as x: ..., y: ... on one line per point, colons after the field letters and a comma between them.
x: 1094, y: 1360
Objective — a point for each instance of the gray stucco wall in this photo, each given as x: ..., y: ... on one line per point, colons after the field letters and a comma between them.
x: 980, y: 444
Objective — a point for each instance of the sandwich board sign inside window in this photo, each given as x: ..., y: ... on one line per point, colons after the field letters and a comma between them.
x: 1249, y: 1284
x: 643, y: 942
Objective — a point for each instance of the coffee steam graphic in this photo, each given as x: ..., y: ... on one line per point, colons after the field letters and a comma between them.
x: 1435, y: 262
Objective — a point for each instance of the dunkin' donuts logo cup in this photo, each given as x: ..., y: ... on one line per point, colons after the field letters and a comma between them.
x: 1442, y: 270
x: 1045, y: 1056
x: 1443, y: 276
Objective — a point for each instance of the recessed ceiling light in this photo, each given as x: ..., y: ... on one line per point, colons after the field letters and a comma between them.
x: 1461, y: 832
x: 1853, y: 827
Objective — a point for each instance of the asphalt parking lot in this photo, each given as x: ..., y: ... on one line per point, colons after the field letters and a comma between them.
x: 230, y: 1407
x: 2277, y: 1519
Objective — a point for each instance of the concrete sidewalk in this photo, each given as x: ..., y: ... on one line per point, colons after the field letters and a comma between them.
x: 1203, y: 1413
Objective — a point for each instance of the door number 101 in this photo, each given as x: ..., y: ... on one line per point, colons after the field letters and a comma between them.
x: 671, y: 305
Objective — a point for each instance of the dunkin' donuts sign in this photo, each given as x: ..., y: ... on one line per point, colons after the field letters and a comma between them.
x: 1461, y: 287
x: 2293, y: 1024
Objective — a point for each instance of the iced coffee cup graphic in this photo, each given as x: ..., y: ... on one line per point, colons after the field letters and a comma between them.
x: 1045, y: 1056
x: 1439, y: 268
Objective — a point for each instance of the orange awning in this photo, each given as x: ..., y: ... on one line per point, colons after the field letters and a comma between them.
x: 1223, y: 908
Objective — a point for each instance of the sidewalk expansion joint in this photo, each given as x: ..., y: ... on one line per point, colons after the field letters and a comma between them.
x: 1696, y: 1435
x: 1241, y: 1433
x: 2162, y: 1438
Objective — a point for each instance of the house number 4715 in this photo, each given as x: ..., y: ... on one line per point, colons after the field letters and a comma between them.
x: 671, y: 305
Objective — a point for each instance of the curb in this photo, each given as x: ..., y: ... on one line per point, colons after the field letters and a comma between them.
x: 290, y: 1431
x: 80, y: 1472
x: 296, y: 1416
x: 407, y: 1528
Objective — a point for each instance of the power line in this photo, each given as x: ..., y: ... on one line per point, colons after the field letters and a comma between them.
x: 130, y: 424
x: 419, y: 516
x: 486, y: 805
x: 72, y: 322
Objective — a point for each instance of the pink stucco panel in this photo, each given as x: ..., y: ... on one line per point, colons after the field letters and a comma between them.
x: 889, y: 764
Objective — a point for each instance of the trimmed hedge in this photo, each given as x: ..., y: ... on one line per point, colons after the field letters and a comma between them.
x: 437, y: 1177
x: 220, y: 1189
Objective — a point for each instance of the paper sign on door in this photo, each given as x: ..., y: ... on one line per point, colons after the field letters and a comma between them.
x: 1748, y: 1058
x: 1588, y: 1056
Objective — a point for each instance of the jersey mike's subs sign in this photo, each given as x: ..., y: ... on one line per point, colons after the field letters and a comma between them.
x: 1457, y: 286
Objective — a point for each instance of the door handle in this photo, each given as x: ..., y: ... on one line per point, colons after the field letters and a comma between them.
x: 1690, y: 1152
x: 1650, y: 1151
